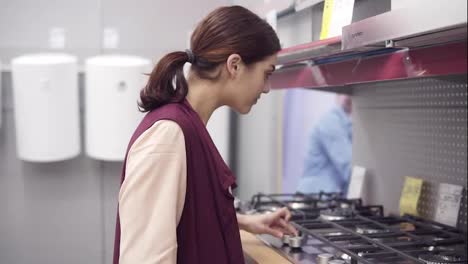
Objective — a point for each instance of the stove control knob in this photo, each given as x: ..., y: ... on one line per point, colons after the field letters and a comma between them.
x: 324, y: 258
x: 336, y: 261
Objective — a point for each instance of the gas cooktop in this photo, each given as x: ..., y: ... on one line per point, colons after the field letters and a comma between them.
x: 336, y: 230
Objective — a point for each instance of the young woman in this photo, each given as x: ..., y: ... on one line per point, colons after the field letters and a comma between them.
x: 175, y: 201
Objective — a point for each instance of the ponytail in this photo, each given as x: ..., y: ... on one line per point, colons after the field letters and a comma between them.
x: 160, y: 88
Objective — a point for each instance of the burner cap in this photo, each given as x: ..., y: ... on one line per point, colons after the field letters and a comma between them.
x: 299, y: 205
x: 299, y: 198
x: 336, y: 214
x: 344, y: 205
x: 324, y: 204
x: 445, y: 257
x: 267, y: 208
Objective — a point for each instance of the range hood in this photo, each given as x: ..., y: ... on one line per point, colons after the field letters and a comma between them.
x: 403, y: 43
x: 434, y: 23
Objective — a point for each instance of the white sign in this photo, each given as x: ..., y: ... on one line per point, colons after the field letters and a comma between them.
x: 336, y: 15
x: 356, y: 183
x: 57, y: 38
x: 110, y: 38
x: 448, y: 204
x: 271, y: 18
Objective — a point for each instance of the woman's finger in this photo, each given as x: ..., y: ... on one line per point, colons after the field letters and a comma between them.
x: 288, y: 227
x: 283, y: 213
x: 277, y: 232
x: 282, y: 229
x: 288, y: 215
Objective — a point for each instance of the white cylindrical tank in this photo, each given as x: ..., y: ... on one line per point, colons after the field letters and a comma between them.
x: 46, y: 106
x: 113, y: 84
x: 1, y: 109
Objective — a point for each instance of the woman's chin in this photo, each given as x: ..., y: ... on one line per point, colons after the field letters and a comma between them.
x: 241, y: 109
x: 244, y: 110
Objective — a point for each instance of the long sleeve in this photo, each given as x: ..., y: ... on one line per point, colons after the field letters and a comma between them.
x: 151, y: 198
x: 338, y: 147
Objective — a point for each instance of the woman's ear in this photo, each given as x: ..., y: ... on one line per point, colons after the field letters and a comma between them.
x: 233, y: 65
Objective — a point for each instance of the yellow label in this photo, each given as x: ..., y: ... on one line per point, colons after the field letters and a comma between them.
x: 410, y: 196
x: 326, y: 18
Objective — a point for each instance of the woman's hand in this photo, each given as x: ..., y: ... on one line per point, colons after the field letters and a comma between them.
x: 275, y: 224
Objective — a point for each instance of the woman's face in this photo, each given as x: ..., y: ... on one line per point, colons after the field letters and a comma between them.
x: 248, y: 82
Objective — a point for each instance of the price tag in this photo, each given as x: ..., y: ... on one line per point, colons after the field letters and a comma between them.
x: 410, y: 196
x: 336, y: 15
x: 448, y: 204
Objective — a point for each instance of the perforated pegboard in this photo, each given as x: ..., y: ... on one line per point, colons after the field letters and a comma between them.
x: 415, y: 127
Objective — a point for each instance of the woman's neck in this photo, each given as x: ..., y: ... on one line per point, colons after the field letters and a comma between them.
x: 203, y: 96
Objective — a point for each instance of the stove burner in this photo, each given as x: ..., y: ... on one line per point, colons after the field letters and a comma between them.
x: 336, y: 214
x: 405, y: 226
x: 299, y: 205
x: 345, y: 205
x: 445, y: 257
x: 325, y: 204
x: 268, y: 208
x: 365, y: 230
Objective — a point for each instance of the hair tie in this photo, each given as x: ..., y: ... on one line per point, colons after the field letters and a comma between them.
x: 190, y: 55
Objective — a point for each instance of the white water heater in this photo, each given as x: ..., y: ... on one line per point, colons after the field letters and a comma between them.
x: 1, y: 109
x: 113, y: 84
x: 46, y: 107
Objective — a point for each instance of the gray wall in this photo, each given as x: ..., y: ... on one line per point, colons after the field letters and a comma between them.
x: 64, y: 212
x: 146, y: 28
x: 25, y: 25
x: 417, y: 128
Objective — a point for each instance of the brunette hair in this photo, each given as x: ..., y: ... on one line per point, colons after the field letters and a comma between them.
x: 224, y: 31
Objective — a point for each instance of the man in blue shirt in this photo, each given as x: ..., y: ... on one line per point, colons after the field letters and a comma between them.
x: 328, y: 160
